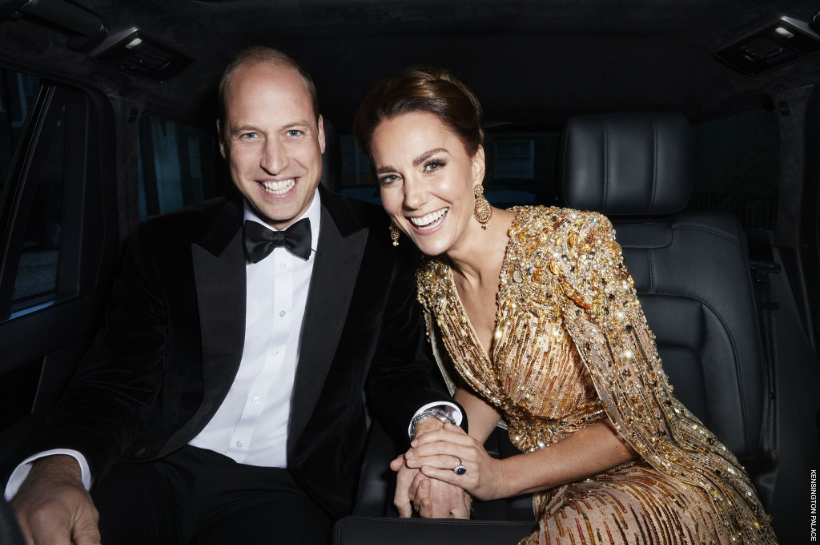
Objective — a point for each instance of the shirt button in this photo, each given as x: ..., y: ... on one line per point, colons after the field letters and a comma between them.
x: 282, y: 266
x: 275, y: 352
x: 281, y: 313
x: 239, y: 444
x: 255, y: 399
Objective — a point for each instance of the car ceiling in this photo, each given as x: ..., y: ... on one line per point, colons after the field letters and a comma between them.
x: 530, y: 62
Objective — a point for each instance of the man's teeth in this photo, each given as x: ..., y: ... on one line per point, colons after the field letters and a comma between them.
x: 430, y: 220
x: 279, y: 187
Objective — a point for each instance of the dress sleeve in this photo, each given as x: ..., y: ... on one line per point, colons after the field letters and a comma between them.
x: 605, y: 319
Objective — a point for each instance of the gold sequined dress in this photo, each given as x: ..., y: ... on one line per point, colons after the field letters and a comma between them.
x: 571, y: 347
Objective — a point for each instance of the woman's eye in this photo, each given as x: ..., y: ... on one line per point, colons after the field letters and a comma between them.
x: 433, y: 165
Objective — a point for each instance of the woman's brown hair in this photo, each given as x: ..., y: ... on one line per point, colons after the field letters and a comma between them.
x: 422, y: 89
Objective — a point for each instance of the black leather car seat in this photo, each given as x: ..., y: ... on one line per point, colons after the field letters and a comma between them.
x: 691, y: 269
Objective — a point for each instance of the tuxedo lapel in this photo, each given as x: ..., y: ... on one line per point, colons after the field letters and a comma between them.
x: 219, y: 274
x: 339, y: 253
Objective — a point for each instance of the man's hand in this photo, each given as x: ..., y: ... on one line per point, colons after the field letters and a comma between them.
x: 53, y: 507
x: 437, y: 499
x: 430, y: 497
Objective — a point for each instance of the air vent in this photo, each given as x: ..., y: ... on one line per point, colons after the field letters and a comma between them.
x: 138, y: 54
x: 771, y: 46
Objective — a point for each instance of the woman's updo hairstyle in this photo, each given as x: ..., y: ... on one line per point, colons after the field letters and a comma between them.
x: 422, y: 89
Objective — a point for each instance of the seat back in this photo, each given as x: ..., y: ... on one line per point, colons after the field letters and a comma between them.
x: 691, y: 269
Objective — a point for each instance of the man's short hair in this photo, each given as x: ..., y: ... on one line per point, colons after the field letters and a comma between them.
x: 258, y: 54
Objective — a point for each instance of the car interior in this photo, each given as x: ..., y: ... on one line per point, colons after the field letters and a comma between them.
x: 694, y: 126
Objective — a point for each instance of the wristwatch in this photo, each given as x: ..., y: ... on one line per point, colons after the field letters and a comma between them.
x: 433, y: 413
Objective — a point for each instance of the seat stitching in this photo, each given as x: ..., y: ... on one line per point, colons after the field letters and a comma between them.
x: 651, y: 271
x: 696, y: 227
x: 654, y: 163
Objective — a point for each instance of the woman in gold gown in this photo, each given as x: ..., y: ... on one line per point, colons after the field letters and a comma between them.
x: 535, y: 312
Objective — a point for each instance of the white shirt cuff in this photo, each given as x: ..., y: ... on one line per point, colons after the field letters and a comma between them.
x: 21, y: 472
x: 450, y: 409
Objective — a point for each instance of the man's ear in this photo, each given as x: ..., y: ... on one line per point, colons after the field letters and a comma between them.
x: 321, y: 125
x: 221, y: 139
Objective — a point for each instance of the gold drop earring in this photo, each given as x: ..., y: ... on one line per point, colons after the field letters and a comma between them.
x: 394, y: 233
x: 483, y: 211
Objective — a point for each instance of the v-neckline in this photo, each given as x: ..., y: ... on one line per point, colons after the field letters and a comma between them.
x: 488, y: 355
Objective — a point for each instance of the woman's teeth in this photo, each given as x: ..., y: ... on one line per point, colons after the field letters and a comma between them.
x: 277, y: 188
x: 428, y: 221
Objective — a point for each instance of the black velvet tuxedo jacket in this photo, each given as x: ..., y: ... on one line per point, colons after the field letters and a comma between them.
x: 174, y: 333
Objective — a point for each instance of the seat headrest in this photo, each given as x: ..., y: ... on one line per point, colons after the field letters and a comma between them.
x: 627, y: 164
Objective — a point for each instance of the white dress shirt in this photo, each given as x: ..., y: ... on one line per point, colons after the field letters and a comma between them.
x: 251, y: 424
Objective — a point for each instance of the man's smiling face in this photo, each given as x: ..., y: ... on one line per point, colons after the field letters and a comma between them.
x: 272, y: 141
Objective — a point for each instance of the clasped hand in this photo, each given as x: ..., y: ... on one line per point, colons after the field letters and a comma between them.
x: 426, y: 477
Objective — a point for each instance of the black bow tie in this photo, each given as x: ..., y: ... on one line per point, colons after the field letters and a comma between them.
x: 260, y: 241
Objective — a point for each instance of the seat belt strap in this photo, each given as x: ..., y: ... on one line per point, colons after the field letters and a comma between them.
x: 765, y: 462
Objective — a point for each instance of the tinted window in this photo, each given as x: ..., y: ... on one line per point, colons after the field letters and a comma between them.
x: 737, y: 165
x: 17, y: 93
x: 40, y: 256
x: 43, y: 200
x: 176, y: 165
x: 357, y: 182
x: 520, y: 169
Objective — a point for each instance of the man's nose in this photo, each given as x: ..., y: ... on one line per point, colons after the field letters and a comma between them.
x: 274, y: 157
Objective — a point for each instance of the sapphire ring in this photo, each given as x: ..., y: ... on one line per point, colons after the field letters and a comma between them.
x: 459, y: 469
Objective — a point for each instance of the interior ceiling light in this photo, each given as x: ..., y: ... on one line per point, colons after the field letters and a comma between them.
x: 780, y: 42
x: 134, y: 52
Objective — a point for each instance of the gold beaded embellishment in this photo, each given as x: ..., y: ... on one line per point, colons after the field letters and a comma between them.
x: 571, y: 347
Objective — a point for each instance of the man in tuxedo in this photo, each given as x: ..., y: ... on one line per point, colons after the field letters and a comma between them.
x: 223, y: 400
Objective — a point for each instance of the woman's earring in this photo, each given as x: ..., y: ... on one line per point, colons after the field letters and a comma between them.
x: 394, y: 234
x: 483, y: 211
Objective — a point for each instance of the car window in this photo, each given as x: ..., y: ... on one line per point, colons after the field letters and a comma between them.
x: 175, y: 165
x: 40, y: 256
x: 737, y: 167
x: 17, y: 93
x: 357, y: 182
x: 45, y: 123
x: 520, y: 169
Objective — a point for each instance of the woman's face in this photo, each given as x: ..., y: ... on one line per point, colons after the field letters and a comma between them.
x: 427, y: 180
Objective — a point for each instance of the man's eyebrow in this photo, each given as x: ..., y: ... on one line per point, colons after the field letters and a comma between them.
x: 243, y: 128
x: 252, y: 127
x: 424, y: 156
x: 385, y: 170
x: 296, y: 124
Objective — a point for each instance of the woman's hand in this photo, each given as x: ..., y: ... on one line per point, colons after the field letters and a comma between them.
x: 436, y: 453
